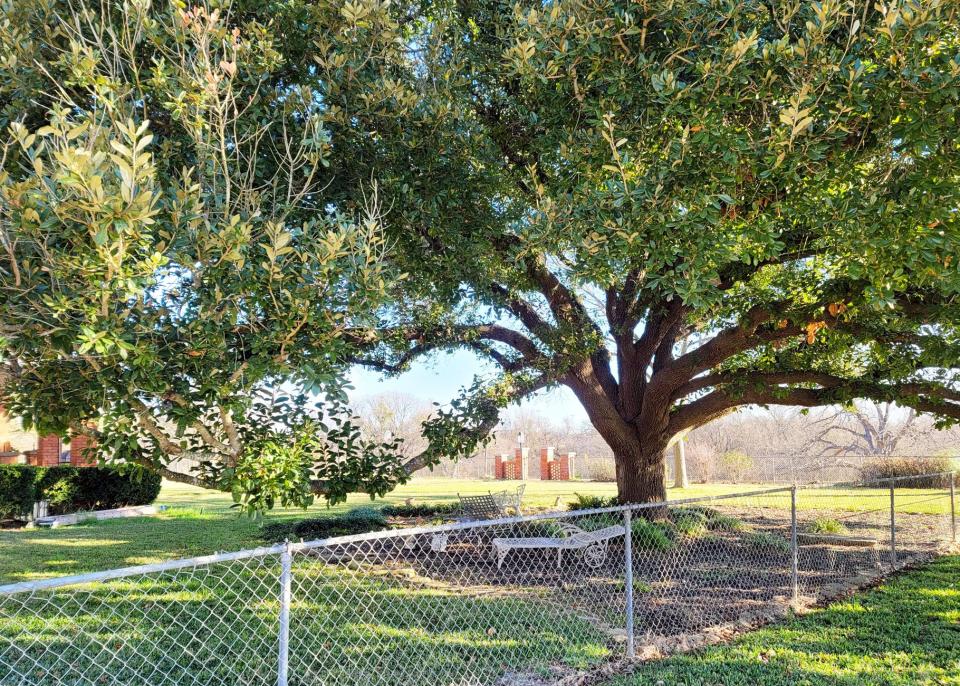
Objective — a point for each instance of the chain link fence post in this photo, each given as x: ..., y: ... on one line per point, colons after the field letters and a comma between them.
x: 953, y: 507
x: 286, y: 565
x: 628, y: 578
x: 794, y: 548
x: 893, y: 526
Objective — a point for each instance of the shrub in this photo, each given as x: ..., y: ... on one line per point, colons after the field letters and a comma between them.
x: 715, y: 520
x: 421, y: 509
x: 17, y: 490
x: 650, y: 535
x: 767, y: 539
x: 722, y: 522
x: 72, y: 489
x: 826, y: 526
x: 591, y: 502
x: 894, y: 467
x: 689, y: 522
x: 69, y: 489
x: 359, y: 520
x: 736, y: 465
x: 601, y: 470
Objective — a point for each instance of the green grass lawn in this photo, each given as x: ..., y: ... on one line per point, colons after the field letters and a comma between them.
x: 199, y: 522
x: 381, y: 629
x: 905, y: 633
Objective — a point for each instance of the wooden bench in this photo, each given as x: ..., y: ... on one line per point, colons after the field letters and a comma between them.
x: 592, y: 543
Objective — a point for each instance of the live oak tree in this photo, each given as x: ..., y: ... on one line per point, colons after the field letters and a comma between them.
x: 172, y: 280
x: 576, y: 187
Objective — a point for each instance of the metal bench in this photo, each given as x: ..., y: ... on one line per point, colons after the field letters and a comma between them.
x: 474, y: 507
x: 490, y: 505
x: 592, y: 543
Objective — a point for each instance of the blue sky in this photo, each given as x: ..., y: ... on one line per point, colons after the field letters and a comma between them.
x: 438, y: 377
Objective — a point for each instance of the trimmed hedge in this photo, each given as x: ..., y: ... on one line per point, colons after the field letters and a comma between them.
x: 359, y: 520
x: 17, y: 490
x: 73, y: 489
x: 421, y: 510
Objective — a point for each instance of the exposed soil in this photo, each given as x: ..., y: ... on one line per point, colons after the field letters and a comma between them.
x: 713, y: 580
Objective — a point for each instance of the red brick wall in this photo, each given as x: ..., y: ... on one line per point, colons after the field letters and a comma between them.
x: 47, y: 453
x: 81, y: 453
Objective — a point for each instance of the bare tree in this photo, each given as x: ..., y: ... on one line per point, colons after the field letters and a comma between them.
x: 394, y: 415
x: 867, y: 428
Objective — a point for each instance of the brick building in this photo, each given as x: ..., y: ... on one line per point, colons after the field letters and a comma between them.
x: 20, y: 446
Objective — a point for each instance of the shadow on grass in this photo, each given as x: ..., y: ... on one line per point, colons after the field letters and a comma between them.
x: 903, y: 634
x: 219, y: 625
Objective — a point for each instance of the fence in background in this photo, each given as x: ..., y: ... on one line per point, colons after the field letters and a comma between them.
x: 730, y: 467
x: 521, y: 600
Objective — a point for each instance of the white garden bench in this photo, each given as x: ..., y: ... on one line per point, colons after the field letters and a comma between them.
x: 592, y: 543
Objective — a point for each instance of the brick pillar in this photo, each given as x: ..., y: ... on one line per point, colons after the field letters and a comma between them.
x: 48, y: 451
x: 546, y: 457
x: 81, y: 453
x: 500, y: 466
x: 522, y: 463
x: 562, y: 467
x: 507, y: 468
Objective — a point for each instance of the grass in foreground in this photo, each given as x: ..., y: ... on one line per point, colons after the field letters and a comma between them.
x: 905, y: 633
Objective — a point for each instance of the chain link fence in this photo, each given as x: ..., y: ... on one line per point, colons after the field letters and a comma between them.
x: 525, y: 600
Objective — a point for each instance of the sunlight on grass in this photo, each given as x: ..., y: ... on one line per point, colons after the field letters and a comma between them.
x: 73, y: 542
x: 901, y: 634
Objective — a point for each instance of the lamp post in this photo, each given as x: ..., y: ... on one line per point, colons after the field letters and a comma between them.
x: 523, y: 462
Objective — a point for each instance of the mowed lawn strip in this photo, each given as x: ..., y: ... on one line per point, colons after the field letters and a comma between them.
x: 904, y: 633
x: 199, y: 522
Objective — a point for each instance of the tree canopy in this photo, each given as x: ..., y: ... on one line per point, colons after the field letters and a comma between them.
x: 172, y: 281
x: 672, y: 208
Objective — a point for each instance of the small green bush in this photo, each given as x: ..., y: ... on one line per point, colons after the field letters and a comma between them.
x: 359, y: 520
x: 736, y: 464
x: 689, y: 522
x: 722, y: 522
x: 898, y: 467
x: 17, y: 490
x: 825, y: 526
x: 715, y: 520
x: 421, y: 510
x: 650, y: 535
x: 591, y: 502
x: 767, y: 539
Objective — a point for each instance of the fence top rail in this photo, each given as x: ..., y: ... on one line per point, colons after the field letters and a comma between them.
x: 867, y: 482
x: 206, y: 560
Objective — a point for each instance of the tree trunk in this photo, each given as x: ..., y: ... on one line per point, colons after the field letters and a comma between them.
x: 640, y: 473
x: 680, y: 479
x: 637, y: 439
